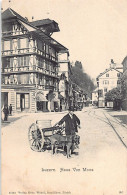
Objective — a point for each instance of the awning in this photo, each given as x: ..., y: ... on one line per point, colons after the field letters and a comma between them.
x: 41, y: 98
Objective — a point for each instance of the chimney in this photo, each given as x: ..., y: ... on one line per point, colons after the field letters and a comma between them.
x: 113, y: 64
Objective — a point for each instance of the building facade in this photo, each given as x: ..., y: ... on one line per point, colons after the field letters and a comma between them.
x: 106, y: 81
x: 65, y: 84
x: 30, y: 80
x: 95, y: 97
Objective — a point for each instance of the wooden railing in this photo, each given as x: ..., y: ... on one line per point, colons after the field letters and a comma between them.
x: 38, y: 85
x: 12, y: 33
x: 27, y: 51
x: 29, y: 69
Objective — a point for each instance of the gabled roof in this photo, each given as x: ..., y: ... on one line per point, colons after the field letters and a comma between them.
x: 42, y: 22
x: 47, y: 25
x: 107, y: 70
x: 11, y: 14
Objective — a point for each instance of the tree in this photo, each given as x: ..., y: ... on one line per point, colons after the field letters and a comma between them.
x: 78, y: 64
x: 114, y: 96
x: 124, y: 85
x: 82, y: 79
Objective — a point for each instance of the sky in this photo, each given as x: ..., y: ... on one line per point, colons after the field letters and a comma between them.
x: 94, y: 31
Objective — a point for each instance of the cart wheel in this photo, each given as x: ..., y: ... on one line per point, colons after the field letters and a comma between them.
x: 36, y: 138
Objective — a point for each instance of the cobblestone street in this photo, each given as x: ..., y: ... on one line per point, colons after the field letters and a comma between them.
x: 101, y: 158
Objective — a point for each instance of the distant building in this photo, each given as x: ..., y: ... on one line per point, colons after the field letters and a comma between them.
x: 108, y: 80
x: 95, y: 97
x: 30, y: 80
x: 124, y: 100
x: 79, y: 97
x: 65, y: 85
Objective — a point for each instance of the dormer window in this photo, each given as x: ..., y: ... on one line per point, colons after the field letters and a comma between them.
x: 107, y: 75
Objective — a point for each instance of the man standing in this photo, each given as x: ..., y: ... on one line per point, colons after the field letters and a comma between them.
x: 6, y: 112
x: 71, y: 122
x: 10, y: 109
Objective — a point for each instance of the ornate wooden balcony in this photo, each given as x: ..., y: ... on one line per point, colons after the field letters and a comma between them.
x: 28, y: 51
x: 12, y: 33
x: 27, y: 69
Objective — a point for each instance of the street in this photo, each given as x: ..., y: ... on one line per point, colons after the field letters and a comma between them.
x: 99, y: 168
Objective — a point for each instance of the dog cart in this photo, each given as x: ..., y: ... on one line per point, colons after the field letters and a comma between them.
x: 39, y: 134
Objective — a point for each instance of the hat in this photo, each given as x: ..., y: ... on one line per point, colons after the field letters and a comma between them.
x: 71, y: 108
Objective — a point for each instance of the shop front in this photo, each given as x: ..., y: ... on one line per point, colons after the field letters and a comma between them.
x: 41, y: 102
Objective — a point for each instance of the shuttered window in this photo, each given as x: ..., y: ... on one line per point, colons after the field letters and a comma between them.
x: 6, y: 45
x: 18, y: 100
x: 26, y: 100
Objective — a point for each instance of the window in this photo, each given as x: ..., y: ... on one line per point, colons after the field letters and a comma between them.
x: 107, y: 75
x: 26, y: 100
x: 106, y: 82
x: 23, y: 78
x: 7, y: 45
x: 118, y: 82
x: 23, y: 61
x: 47, y: 49
x: 105, y: 89
x: 100, y: 93
x: 22, y: 101
x: 118, y: 74
x: 23, y: 43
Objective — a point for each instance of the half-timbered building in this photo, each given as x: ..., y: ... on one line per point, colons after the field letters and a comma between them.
x: 29, y: 65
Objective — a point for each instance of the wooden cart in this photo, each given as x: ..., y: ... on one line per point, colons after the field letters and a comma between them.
x: 39, y: 134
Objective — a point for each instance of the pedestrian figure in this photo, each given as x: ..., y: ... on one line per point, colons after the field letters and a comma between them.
x: 60, y: 108
x: 10, y: 109
x: 2, y: 113
x: 71, y: 123
x: 6, y: 112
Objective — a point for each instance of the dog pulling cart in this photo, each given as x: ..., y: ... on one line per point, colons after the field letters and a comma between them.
x: 40, y: 132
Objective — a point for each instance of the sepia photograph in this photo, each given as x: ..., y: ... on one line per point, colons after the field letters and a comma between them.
x: 63, y: 97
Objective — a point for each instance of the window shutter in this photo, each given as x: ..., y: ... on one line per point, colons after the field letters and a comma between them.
x: 2, y: 45
x: 18, y: 43
x: 27, y: 43
x: 11, y: 45
x: 18, y: 101
x: 11, y: 62
x: 27, y: 60
x: 18, y: 59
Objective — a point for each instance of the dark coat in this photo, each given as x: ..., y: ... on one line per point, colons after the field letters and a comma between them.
x: 5, y: 110
x: 10, y: 108
x: 70, y: 124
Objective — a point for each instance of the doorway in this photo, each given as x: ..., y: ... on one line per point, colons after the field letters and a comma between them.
x: 22, y: 101
x: 4, y: 99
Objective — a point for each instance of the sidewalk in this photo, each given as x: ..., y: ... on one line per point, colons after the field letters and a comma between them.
x: 119, y: 115
x: 13, y: 118
x: 17, y: 116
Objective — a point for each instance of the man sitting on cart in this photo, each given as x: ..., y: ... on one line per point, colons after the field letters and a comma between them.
x: 71, y: 122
